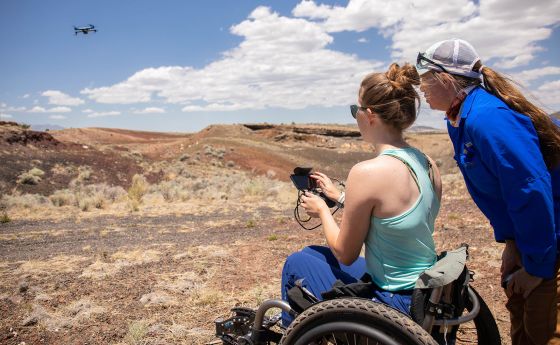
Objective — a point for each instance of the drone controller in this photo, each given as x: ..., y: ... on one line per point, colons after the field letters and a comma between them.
x: 303, y: 182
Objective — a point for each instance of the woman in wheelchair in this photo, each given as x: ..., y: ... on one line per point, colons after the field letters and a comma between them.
x: 390, y: 204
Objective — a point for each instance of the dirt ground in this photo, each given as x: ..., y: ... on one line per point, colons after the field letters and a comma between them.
x: 161, y: 275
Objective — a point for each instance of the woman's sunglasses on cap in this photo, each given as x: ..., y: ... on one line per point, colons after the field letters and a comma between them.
x: 422, y: 62
x: 354, y: 109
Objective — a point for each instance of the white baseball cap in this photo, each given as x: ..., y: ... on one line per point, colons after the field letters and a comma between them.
x: 454, y: 56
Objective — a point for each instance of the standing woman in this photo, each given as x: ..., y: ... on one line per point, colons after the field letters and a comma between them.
x: 508, y: 151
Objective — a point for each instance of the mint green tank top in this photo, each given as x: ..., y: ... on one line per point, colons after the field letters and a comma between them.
x: 399, y: 248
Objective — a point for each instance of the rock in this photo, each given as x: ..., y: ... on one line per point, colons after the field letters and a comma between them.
x: 156, y: 298
x: 23, y: 286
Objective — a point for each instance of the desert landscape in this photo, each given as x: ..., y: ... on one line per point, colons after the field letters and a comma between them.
x: 111, y: 236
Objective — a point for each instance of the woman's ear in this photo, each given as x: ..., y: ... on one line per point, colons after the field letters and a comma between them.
x: 370, y: 116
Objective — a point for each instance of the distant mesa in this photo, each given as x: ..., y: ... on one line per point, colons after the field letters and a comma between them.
x: 46, y: 127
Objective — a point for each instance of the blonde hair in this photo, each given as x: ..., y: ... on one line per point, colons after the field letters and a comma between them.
x: 392, y: 95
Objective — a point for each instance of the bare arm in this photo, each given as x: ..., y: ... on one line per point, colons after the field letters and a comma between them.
x: 346, y: 241
x: 437, y: 178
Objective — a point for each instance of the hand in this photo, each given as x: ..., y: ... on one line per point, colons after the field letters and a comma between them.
x: 522, y: 283
x: 326, y: 185
x: 313, y: 204
x: 510, y: 259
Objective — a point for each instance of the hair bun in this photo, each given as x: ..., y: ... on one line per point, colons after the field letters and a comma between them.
x: 402, y: 77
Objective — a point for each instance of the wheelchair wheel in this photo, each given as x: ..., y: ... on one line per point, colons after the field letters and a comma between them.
x: 483, y: 330
x: 487, y: 331
x: 354, y: 321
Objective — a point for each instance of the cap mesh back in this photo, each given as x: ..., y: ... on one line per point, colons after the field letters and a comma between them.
x: 466, y: 56
x: 444, y: 52
x: 455, y: 56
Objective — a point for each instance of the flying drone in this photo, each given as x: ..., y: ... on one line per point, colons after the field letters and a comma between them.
x: 84, y: 29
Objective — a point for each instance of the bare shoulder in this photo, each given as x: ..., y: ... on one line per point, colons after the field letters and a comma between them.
x: 373, y: 171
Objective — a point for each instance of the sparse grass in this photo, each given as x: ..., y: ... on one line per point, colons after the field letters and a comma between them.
x: 272, y: 237
x: 31, y: 177
x: 4, y: 218
x: 88, y: 197
x: 84, y: 174
x: 206, y: 297
x: 137, y: 331
x: 24, y: 201
x: 136, y: 191
x: 250, y: 223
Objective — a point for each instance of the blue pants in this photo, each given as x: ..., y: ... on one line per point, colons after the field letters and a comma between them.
x: 320, y: 269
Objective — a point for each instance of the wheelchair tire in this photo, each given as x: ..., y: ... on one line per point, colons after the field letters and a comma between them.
x: 486, y: 328
x: 352, y: 321
x: 487, y: 331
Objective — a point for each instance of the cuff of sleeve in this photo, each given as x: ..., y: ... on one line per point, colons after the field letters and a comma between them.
x: 544, y: 269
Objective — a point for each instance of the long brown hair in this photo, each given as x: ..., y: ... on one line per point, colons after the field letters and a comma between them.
x: 392, y: 96
x: 504, y: 88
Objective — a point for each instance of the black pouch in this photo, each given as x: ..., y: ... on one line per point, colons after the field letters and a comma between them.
x: 300, y: 298
x: 362, y: 288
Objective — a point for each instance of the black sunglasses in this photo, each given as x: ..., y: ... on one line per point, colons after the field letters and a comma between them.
x: 354, y: 109
x: 422, y: 62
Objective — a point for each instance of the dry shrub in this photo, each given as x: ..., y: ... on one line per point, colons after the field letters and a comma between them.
x: 62, y: 197
x: 87, y: 197
x: 220, y: 185
x: 137, y: 331
x: 32, y: 176
x: 4, y: 218
x: 137, y: 190
x: 24, y: 201
x: 84, y: 174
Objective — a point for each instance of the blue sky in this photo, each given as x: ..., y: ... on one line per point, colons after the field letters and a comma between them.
x: 182, y: 65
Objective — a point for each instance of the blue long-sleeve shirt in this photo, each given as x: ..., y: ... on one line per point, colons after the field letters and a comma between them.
x: 497, y: 151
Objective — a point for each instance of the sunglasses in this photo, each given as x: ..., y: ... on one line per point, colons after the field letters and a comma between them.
x: 354, y: 109
x: 422, y: 62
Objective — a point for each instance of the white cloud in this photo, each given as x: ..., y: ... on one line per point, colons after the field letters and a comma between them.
x: 5, y: 116
x: 57, y: 117
x: 59, y: 110
x: 5, y: 107
x: 38, y: 109
x: 59, y: 98
x: 363, y: 40
x: 285, y: 62
x: 527, y: 76
x: 87, y: 111
x: 25, y: 96
x: 104, y: 113
x: 549, y: 94
x: 281, y: 62
x: 504, y: 30
x: 150, y: 110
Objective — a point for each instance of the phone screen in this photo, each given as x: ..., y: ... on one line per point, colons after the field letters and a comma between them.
x: 301, y: 181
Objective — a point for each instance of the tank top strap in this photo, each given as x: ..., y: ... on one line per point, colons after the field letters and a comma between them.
x: 405, y: 156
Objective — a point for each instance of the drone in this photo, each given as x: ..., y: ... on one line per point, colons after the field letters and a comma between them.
x: 84, y: 29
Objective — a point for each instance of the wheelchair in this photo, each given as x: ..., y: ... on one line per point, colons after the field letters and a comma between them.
x: 442, y: 301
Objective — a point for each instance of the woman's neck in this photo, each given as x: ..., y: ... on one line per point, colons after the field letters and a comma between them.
x: 388, y: 139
